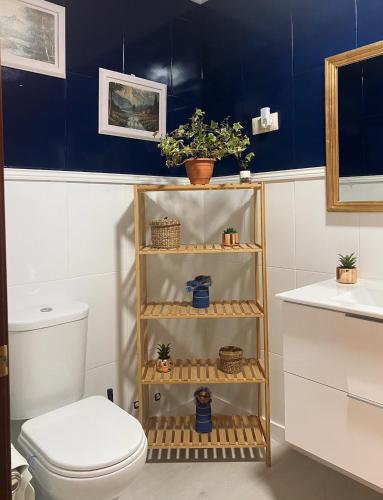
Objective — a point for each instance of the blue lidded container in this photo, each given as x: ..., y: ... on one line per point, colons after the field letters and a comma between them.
x: 200, y: 288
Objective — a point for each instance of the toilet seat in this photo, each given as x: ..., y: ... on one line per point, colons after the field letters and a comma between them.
x: 87, y: 439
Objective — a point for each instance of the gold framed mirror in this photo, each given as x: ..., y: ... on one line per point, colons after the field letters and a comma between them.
x: 354, y: 130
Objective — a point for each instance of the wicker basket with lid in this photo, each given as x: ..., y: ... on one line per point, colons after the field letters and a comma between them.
x: 166, y: 233
x: 231, y: 359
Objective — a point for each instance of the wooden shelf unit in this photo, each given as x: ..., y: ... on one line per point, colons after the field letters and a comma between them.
x: 241, y: 431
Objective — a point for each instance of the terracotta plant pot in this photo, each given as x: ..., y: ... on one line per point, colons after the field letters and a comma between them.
x: 199, y: 170
x: 347, y: 276
x: 164, y: 365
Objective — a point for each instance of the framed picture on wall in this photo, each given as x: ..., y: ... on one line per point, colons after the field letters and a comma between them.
x: 32, y: 36
x: 131, y: 107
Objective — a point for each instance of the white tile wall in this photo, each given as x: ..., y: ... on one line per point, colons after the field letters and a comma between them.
x: 36, y: 231
x: 371, y: 245
x: 278, y: 280
x: 94, y: 215
x: 277, y: 390
x: 75, y: 241
x: 280, y: 224
x: 321, y: 235
x: 304, y: 278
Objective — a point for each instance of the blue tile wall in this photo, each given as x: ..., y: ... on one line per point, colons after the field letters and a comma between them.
x: 51, y: 123
x: 271, y: 53
x: 34, y: 120
x: 231, y: 57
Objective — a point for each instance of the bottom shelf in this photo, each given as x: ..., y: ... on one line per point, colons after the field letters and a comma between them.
x: 228, y: 432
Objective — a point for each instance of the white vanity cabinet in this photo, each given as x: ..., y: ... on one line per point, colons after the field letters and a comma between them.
x: 333, y: 364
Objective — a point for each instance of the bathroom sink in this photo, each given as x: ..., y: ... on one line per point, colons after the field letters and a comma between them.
x: 365, y: 298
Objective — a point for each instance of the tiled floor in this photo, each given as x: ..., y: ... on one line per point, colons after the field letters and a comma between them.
x: 292, y: 477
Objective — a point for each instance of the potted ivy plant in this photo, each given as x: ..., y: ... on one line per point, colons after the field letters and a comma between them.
x: 347, y: 272
x: 199, y: 145
x: 164, y: 363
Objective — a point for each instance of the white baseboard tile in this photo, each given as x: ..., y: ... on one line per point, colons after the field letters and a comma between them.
x: 29, y: 174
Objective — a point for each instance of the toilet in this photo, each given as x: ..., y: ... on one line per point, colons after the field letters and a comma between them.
x: 83, y: 449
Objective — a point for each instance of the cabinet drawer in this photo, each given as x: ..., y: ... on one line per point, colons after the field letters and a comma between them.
x: 335, y: 427
x: 331, y: 348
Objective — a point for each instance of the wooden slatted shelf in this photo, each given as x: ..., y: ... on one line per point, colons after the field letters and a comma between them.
x: 178, y: 432
x: 202, y: 248
x: 218, y: 309
x: 207, y: 371
x: 228, y: 432
x: 198, y: 187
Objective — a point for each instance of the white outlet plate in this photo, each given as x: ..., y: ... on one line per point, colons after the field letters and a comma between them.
x: 257, y: 129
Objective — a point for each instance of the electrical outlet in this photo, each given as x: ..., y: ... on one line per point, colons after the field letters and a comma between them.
x: 136, y: 405
x: 258, y: 129
x: 157, y: 396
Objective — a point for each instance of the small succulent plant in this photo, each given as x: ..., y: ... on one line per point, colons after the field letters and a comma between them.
x: 347, y: 261
x: 163, y: 351
x: 230, y: 230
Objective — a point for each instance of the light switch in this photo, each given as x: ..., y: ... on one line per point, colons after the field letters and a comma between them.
x: 257, y: 126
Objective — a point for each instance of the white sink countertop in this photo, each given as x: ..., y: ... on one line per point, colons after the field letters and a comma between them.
x: 365, y: 298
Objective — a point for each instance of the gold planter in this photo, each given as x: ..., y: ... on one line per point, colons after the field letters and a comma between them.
x: 164, y: 365
x: 230, y: 240
x: 347, y: 276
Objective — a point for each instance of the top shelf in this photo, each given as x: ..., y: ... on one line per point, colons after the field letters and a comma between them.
x: 197, y: 187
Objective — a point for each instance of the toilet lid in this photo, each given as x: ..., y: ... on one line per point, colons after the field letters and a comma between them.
x: 84, y: 436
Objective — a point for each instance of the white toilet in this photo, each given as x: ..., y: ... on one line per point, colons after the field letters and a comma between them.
x: 87, y: 449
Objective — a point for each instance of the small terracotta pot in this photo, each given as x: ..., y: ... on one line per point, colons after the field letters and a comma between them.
x: 164, y: 365
x: 347, y: 276
x: 199, y: 170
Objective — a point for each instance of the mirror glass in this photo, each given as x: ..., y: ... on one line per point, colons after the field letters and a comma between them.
x: 360, y: 111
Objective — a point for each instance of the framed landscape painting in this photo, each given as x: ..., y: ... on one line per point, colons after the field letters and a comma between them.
x: 32, y: 36
x: 131, y: 106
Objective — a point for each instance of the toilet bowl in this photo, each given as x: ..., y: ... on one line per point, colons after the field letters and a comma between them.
x: 89, y: 450
x: 77, y: 449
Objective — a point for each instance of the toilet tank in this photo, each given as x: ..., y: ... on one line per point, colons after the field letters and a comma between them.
x: 47, y: 348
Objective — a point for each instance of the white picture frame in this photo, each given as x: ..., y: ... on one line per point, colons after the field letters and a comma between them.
x: 32, y: 36
x: 118, y: 115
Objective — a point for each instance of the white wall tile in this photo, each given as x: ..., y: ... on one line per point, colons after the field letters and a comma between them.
x: 228, y: 209
x: 371, y: 245
x: 304, y: 278
x: 36, y: 225
x: 321, y: 235
x: 278, y: 280
x: 277, y: 389
x: 97, y: 218
x: 280, y: 224
x: 99, y: 379
x: 188, y: 207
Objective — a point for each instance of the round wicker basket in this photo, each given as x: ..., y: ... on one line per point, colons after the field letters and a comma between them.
x: 231, y: 358
x: 166, y: 233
